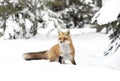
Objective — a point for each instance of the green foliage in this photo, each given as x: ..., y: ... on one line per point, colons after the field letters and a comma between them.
x: 56, y: 5
x: 9, y: 9
x: 79, y: 15
x: 2, y: 9
x: 114, y: 37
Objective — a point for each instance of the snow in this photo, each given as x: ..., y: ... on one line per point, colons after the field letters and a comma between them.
x: 91, y: 64
x: 108, y: 13
x: 13, y: 1
x: 87, y: 1
x: 113, y: 60
x: 28, y: 23
x: 11, y: 27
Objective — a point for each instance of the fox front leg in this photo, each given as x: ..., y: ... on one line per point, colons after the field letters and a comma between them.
x: 73, y: 61
x: 61, y: 60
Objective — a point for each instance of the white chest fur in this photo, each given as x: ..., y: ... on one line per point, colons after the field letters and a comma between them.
x: 65, y: 51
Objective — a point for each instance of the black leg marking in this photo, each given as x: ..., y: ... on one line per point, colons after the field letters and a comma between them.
x: 74, y: 62
x: 60, y: 59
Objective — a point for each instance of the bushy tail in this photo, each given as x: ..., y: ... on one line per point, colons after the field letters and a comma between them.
x: 35, y: 55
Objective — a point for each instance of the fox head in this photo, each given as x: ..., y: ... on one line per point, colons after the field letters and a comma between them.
x: 64, y: 37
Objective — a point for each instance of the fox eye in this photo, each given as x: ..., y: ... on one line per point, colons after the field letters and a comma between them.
x: 59, y: 38
x: 65, y: 38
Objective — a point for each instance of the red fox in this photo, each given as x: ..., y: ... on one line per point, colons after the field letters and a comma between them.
x: 62, y: 51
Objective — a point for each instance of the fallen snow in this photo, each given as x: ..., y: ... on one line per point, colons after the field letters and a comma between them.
x: 108, y: 13
x: 91, y: 64
x: 87, y: 1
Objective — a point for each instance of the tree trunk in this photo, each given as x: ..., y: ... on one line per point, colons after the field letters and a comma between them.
x: 35, y: 23
x: 34, y: 27
x: 4, y: 18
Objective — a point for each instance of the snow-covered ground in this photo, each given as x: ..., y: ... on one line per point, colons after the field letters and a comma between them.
x: 91, y: 64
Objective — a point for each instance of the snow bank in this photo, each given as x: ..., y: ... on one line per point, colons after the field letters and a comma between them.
x: 54, y: 32
x: 58, y: 72
x: 113, y: 61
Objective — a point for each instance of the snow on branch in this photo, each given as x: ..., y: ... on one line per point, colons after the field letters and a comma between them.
x: 108, y: 13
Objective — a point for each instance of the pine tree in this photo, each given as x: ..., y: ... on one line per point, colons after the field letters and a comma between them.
x: 108, y: 16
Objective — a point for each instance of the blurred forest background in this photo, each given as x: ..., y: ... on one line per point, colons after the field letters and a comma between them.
x: 23, y: 18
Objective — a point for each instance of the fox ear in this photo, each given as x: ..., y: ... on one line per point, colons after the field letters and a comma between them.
x: 59, y: 32
x: 68, y: 32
